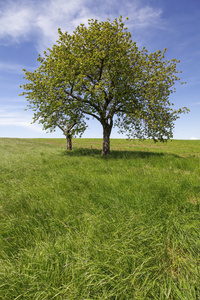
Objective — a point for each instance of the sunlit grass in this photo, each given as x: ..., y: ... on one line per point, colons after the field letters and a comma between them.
x: 75, y: 225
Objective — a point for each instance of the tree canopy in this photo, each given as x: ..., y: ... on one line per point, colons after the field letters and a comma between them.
x: 99, y: 72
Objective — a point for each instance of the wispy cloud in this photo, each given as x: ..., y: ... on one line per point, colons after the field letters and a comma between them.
x: 27, y: 19
x: 15, y: 19
x: 11, y: 68
x: 20, y: 123
x: 13, y: 118
x: 196, y: 103
x: 146, y: 17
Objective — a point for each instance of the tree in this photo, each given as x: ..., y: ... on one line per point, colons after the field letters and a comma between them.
x: 51, y: 109
x: 100, y: 72
x: 71, y: 124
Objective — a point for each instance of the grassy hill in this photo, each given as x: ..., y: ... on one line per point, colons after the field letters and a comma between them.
x: 75, y: 225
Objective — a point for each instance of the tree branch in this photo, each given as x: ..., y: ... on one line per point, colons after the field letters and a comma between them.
x: 82, y: 100
x: 91, y: 114
x: 101, y: 69
x: 113, y: 109
x: 90, y: 78
x: 60, y: 127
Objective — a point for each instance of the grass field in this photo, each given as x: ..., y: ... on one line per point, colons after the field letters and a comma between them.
x: 75, y: 225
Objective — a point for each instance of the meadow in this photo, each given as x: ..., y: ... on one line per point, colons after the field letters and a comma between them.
x: 75, y: 225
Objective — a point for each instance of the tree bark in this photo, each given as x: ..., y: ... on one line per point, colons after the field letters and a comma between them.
x: 69, y: 135
x: 69, y: 142
x: 106, y: 139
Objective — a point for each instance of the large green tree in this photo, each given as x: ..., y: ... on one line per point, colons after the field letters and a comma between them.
x: 100, y: 72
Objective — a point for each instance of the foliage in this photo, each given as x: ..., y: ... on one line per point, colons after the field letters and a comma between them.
x: 50, y: 109
x: 100, y: 72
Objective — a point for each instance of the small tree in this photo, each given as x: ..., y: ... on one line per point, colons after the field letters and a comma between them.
x: 100, y: 72
x: 50, y: 109
x: 70, y: 124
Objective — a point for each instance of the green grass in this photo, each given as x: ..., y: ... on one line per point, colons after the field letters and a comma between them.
x: 75, y: 225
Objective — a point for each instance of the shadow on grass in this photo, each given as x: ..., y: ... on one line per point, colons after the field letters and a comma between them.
x: 115, y: 154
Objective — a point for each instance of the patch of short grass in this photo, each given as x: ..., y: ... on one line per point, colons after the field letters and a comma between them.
x: 75, y: 225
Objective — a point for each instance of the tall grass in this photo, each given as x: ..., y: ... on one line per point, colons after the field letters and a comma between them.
x: 75, y: 225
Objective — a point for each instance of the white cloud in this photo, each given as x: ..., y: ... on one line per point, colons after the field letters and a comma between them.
x: 15, y: 20
x: 195, y: 103
x: 11, y: 68
x: 194, y: 138
x: 18, y: 123
x: 145, y: 17
x: 21, y: 19
x: 13, y: 118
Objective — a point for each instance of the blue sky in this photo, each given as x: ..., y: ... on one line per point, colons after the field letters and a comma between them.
x: 28, y: 27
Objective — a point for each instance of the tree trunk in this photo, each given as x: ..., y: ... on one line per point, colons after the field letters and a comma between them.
x: 106, y: 139
x: 69, y: 142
